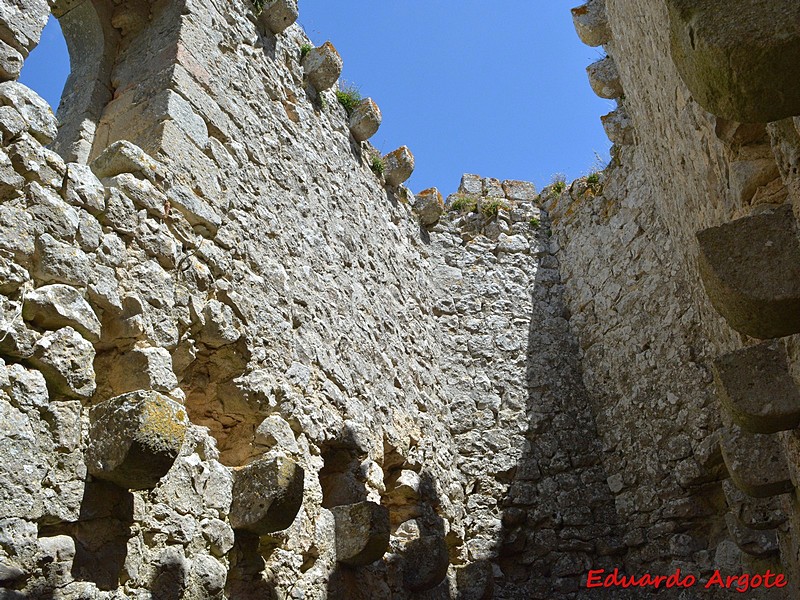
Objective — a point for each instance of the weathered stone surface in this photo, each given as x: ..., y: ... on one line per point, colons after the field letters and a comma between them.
x: 365, y: 120
x: 362, y: 533
x: 751, y: 272
x: 323, y: 66
x: 604, y: 78
x: 56, y: 306
x: 519, y: 191
x: 273, y: 432
x: 618, y: 127
x: 267, y: 495
x: 220, y: 325
x: 277, y: 15
x: 591, y: 23
x: 83, y: 188
x: 21, y: 23
x: 753, y: 513
x: 426, y: 562
x: 429, y: 206
x: 10, y: 62
x: 194, y: 209
x: 125, y: 157
x: 65, y: 359
x: 756, y: 462
x: 135, y: 438
x: 755, y: 386
x: 398, y: 166
x: 142, y: 368
x: 38, y: 116
x: 56, y: 261
x: 758, y: 543
x: 739, y: 60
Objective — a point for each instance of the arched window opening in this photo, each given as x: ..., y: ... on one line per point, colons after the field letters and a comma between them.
x: 47, y: 67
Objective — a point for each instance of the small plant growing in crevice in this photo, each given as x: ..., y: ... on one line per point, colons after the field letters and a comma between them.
x: 377, y: 165
x: 535, y: 223
x: 490, y: 208
x: 593, y: 179
x: 464, y: 204
x: 559, y: 183
x: 349, y: 97
x: 304, y: 50
x: 259, y: 6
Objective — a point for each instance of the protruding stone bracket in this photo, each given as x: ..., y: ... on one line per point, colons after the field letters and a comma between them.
x: 267, y: 495
x: 757, y: 543
x: 398, y: 166
x: 278, y: 15
x: 756, y: 388
x: 429, y: 206
x: 751, y: 271
x: 362, y: 533
x: 135, y: 438
x: 365, y: 120
x: 618, y: 127
x: 754, y: 513
x: 739, y: 58
x: 604, y: 78
x: 591, y: 23
x: 322, y: 66
x: 756, y: 462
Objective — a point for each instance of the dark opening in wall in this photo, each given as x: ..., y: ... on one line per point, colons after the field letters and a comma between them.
x: 48, y: 66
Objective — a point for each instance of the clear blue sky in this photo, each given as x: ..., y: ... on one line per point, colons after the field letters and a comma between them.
x: 497, y: 89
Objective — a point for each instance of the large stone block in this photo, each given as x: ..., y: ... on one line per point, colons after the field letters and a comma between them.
x: 398, y: 166
x: 66, y: 359
x: 22, y: 22
x: 135, y: 438
x: 365, y: 120
x: 756, y: 462
x: 604, y: 78
x: 756, y: 388
x: 323, y: 66
x: 55, y: 306
x: 751, y: 271
x: 759, y: 543
x: 362, y: 533
x: 426, y: 562
x: 741, y: 58
x: 277, y: 15
x: 125, y: 157
x: 267, y: 495
x: 429, y: 206
x: 591, y: 23
x: 618, y: 127
x: 36, y: 112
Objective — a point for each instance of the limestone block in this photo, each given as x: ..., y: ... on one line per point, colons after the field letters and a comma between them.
x: 66, y: 359
x: 275, y: 431
x: 50, y: 213
x: 519, y: 191
x: 426, y: 561
x: 751, y: 271
x: 11, y: 182
x: 604, y: 78
x: 362, y: 533
x: 38, y: 116
x: 322, y: 66
x: 22, y: 22
x: 55, y: 261
x: 277, y: 15
x: 16, y: 340
x: 758, y: 543
x: 365, y: 120
x: 471, y: 185
x: 267, y: 495
x: 83, y: 188
x: 591, y: 23
x: 10, y: 62
x: 739, y: 58
x: 755, y: 386
x: 475, y: 581
x: 398, y: 166
x: 125, y: 157
x: 618, y: 127
x: 11, y: 123
x: 35, y: 162
x: 194, y: 209
x: 221, y: 326
x: 55, y: 306
x: 142, y: 193
x: 143, y: 368
x: 429, y: 206
x: 756, y: 462
x: 135, y: 438
x: 753, y: 513
x: 12, y: 276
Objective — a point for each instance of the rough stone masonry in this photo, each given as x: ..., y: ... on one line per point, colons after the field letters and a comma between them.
x: 239, y: 361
